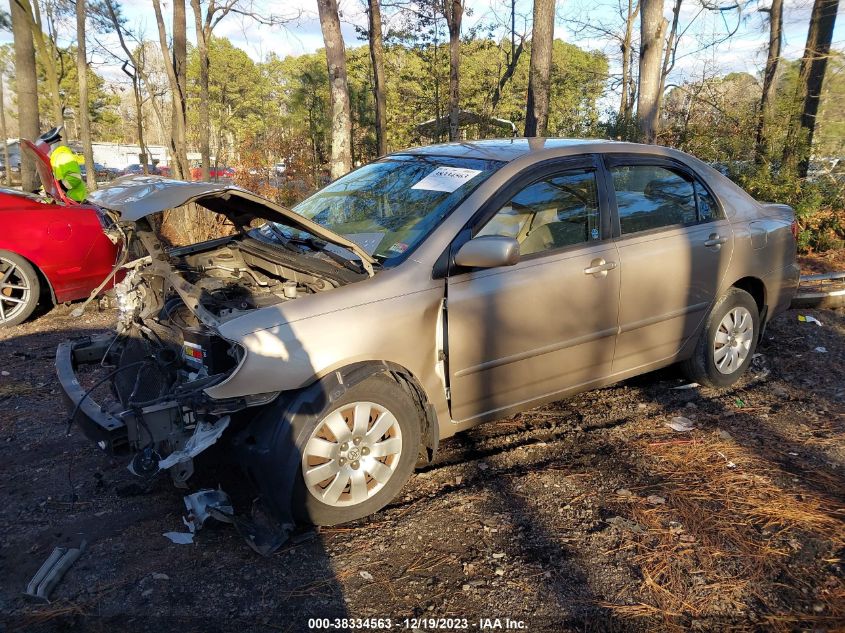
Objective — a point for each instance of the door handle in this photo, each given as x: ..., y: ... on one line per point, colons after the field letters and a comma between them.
x: 599, y: 267
x: 715, y: 240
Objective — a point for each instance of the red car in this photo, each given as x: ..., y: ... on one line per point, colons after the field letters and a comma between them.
x: 51, y: 248
x: 214, y: 173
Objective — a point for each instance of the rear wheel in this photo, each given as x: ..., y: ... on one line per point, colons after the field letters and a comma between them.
x: 19, y: 289
x: 728, y: 341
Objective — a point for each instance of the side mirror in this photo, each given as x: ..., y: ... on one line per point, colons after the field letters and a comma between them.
x: 488, y: 251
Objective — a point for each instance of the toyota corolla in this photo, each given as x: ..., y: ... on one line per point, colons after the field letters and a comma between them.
x: 332, y: 346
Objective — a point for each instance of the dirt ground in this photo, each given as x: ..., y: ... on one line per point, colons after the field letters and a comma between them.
x: 585, y: 515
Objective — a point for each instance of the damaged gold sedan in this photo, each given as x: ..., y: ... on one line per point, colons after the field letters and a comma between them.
x: 332, y: 347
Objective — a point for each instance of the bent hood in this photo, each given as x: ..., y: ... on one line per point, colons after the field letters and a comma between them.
x: 136, y: 197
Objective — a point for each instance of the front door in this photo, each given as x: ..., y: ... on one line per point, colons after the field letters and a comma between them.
x: 522, y: 334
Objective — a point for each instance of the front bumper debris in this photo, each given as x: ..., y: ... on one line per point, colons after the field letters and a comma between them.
x: 166, y: 433
x: 104, y: 428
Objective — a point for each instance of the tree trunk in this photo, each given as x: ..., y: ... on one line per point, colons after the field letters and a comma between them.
x: 671, y: 46
x: 767, y: 99
x: 177, y: 134
x: 8, y: 171
x: 454, y: 16
x: 180, y: 69
x: 540, y: 68
x: 205, y: 124
x: 82, y: 115
x: 341, y: 160
x: 626, y: 103
x: 652, y: 28
x: 799, y: 141
x: 32, y: 15
x: 377, y: 59
x: 26, y: 82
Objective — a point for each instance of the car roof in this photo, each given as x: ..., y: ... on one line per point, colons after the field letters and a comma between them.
x: 508, y: 149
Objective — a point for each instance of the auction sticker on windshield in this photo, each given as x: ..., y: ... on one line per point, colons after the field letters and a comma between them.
x: 446, y: 179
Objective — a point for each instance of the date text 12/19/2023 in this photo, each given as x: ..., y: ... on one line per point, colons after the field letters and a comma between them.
x: 425, y: 624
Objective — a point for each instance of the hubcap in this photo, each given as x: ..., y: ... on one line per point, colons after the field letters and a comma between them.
x: 14, y: 290
x: 733, y: 340
x: 352, y: 454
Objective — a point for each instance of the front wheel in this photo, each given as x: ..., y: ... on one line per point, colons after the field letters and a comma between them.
x: 728, y: 341
x: 354, y: 453
x: 19, y: 289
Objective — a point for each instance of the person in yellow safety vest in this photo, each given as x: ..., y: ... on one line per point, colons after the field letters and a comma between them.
x: 67, y: 172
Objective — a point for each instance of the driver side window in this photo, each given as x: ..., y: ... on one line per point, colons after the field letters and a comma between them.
x: 558, y: 211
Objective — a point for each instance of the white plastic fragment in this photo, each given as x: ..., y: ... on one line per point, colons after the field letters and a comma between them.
x: 691, y: 385
x: 366, y: 575
x: 180, y: 538
x: 821, y: 350
x: 728, y: 462
x: 680, y: 424
x: 204, y: 436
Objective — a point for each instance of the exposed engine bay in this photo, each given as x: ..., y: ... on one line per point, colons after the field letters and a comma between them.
x: 166, y: 349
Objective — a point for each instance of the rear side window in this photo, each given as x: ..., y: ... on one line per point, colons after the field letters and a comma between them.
x: 650, y: 197
x: 707, y: 207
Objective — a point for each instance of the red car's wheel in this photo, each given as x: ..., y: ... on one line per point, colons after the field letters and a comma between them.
x: 19, y: 289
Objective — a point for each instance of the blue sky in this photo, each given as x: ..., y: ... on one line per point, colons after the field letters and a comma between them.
x: 745, y: 51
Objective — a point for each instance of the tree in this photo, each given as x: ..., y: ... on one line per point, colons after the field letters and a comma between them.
x: 4, y: 69
x: 175, y: 68
x: 82, y: 114
x: 48, y: 52
x: 768, y: 97
x: 799, y: 141
x: 628, y: 87
x: 26, y: 84
x: 539, y: 88
x: 377, y: 59
x: 453, y: 10
x: 341, y: 160
x: 652, y: 28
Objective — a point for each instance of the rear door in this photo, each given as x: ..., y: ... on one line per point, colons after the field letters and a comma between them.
x: 520, y: 334
x: 674, y: 248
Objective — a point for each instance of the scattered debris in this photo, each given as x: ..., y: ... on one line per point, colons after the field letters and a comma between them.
x: 51, y: 572
x: 821, y: 350
x: 691, y: 385
x: 5, y: 373
x: 180, y: 538
x: 261, y: 531
x: 626, y: 524
x: 728, y: 462
x: 680, y: 424
x: 204, y: 436
x: 207, y: 503
x: 809, y: 319
x: 366, y: 575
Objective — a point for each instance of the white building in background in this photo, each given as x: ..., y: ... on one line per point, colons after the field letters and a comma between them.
x: 120, y: 155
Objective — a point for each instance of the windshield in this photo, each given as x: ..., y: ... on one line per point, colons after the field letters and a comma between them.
x: 390, y: 206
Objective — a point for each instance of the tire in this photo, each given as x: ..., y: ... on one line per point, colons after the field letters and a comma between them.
x: 323, y: 433
x: 20, y: 289
x: 723, y: 352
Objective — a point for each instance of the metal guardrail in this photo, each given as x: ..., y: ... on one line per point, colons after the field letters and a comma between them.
x: 821, y: 291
